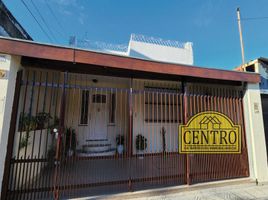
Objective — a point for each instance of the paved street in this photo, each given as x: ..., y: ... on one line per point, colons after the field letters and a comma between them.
x: 226, y: 191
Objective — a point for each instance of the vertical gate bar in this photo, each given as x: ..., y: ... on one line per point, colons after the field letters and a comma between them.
x: 22, y: 183
x: 165, y: 123
x: 130, y: 132
x: 34, y: 168
x: 63, y: 176
x: 185, y: 110
x: 41, y: 131
x: 30, y: 108
x: 161, y: 124
x: 174, y: 134
x: 153, y: 137
x: 201, y: 157
x: 223, y: 103
x: 28, y: 180
x: 46, y: 178
x: 56, y: 88
x: 37, y: 110
x: 58, y: 157
x: 182, y: 156
x: 210, y: 156
x: 218, y: 108
x: 11, y: 177
x: 19, y: 178
x: 169, y: 137
x: 157, y: 137
x: 41, y: 134
x: 11, y: 135
x: 236, y: 156
x: 227, y: 166
x: 176, y: 165
x: 232, y: 168
x: 229, y: 112
x: 34, y: 131
x: 239, y: 122
x: 123, y: 157
x: 147, y: 135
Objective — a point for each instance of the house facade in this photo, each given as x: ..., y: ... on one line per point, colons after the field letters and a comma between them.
x: 75, y: 122
x: 260, y: 66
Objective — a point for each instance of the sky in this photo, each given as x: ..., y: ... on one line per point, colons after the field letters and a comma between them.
x: 211, y: 25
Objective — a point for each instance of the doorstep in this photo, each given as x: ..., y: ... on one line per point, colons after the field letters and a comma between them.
x: 176, y: 189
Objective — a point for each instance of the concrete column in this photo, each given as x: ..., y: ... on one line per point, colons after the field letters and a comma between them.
x: 9, y: 66
x: 255, y: 134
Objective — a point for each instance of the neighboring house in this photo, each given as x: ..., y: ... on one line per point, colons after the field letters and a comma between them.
x: 144, y: 47
x: 260, y: 65
x: 9, y: 26
x: 65, y: 112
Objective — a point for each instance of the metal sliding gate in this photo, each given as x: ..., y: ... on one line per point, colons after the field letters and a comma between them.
x: 68, y: 128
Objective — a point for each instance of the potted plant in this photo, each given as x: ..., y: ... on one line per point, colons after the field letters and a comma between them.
x: 120, y: 140
x: 70, y: 141
x: 27, y: 122
x: 141, y: 144
x: 42, y: 120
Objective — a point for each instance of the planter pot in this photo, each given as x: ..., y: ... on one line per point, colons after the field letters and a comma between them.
x: 70, y: 153
x: 140, y: 154
x: 120, y: 149
x: 56, y: 162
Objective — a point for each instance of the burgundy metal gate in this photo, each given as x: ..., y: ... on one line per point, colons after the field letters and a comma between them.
x: 52, y: 157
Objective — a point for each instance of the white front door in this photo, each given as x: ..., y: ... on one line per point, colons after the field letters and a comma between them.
x: 98, y: 115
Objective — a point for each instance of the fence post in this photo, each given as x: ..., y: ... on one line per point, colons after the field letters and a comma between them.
x: 185, y: 116
x: 11, y: 134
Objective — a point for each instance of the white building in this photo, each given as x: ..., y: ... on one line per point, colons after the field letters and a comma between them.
x: 148, y: 48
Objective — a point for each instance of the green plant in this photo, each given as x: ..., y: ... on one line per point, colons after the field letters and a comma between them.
x: 42, y: 120
x: 27, y: 122
x: 120, y: 139
x: 141, y: 142
x: 70, y: 139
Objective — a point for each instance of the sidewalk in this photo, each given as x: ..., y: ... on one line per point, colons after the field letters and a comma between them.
x: 225, y: 190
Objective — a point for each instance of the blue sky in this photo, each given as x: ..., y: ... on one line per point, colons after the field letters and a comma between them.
x: 210, y: 24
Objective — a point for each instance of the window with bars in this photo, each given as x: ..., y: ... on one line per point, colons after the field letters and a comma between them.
x: 161, y: 105
x: 84, y: 107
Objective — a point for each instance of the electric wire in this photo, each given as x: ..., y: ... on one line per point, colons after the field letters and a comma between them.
x: 56, y: 19
x: 253, y: 18
x: 43, y: 20
x: 40, y: 26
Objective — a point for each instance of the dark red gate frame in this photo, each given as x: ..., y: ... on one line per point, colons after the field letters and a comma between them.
x: 73, y: 60
x: 191, y: 103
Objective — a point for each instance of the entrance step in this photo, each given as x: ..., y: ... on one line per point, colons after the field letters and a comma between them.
x: 110, y: 152
x: 95, y: 147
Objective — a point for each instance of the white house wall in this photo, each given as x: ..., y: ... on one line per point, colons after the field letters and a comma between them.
x: 10, y: 64
x: 161, y: 52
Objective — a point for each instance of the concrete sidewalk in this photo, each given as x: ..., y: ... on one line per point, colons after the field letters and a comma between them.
x: 224, y: 190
